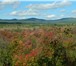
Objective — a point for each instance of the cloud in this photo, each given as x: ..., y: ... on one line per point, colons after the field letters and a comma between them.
x: 74, y: 11
x: 41, y: 6
x: 62, y: 15
x: 73, y: 14
x: 13, y: 13
x: 8, y: 1
x: 65, y: 3
x: 4, y: 3
x: 51, y: 16
x: 63, y: 10
x: 53, y: 5
x: 29, y: 12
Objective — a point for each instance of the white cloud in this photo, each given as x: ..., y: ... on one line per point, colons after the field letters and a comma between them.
x: 63, y: 10
x: 8, y: 1
x: 73, y: 14
x: 41, y: 6
x: 65, y: 3
x: 14, y: 3
x: 62, y: 15
x: 13, y: 13
x: 29, y: 12
x: 74, y: 11
x: 53, y: 5
x: 51, y: 16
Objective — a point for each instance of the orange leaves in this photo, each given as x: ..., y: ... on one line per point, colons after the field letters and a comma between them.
x: 6, y: 34
x: 33, y: 53
x: 21, y: 42
x: 29, y: 44
x: 68, y: 42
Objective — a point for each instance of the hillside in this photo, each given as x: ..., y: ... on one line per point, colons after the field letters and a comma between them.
x: 36, y: 20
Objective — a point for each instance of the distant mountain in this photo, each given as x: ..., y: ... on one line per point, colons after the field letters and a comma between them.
x: 67, y: 20
x: 36, y: 20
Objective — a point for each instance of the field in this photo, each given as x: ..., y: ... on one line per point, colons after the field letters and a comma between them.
x: 37, y: 45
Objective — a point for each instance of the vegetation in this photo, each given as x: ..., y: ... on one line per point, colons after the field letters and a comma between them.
x: 37, y: 45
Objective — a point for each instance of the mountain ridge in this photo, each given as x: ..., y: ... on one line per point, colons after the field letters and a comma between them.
x: 36, y: 20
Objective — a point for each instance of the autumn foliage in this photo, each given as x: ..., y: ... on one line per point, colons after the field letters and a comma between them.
x: 53, y: 46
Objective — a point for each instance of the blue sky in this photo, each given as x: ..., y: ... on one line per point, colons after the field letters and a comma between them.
x: 43, y: 9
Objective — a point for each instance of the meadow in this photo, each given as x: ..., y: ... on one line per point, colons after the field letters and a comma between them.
x: 37, y: 45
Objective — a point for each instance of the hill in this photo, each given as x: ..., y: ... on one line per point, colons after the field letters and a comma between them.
x: 36, y: 20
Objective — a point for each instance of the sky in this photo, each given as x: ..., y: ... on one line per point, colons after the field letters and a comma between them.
x: 42, y: 9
